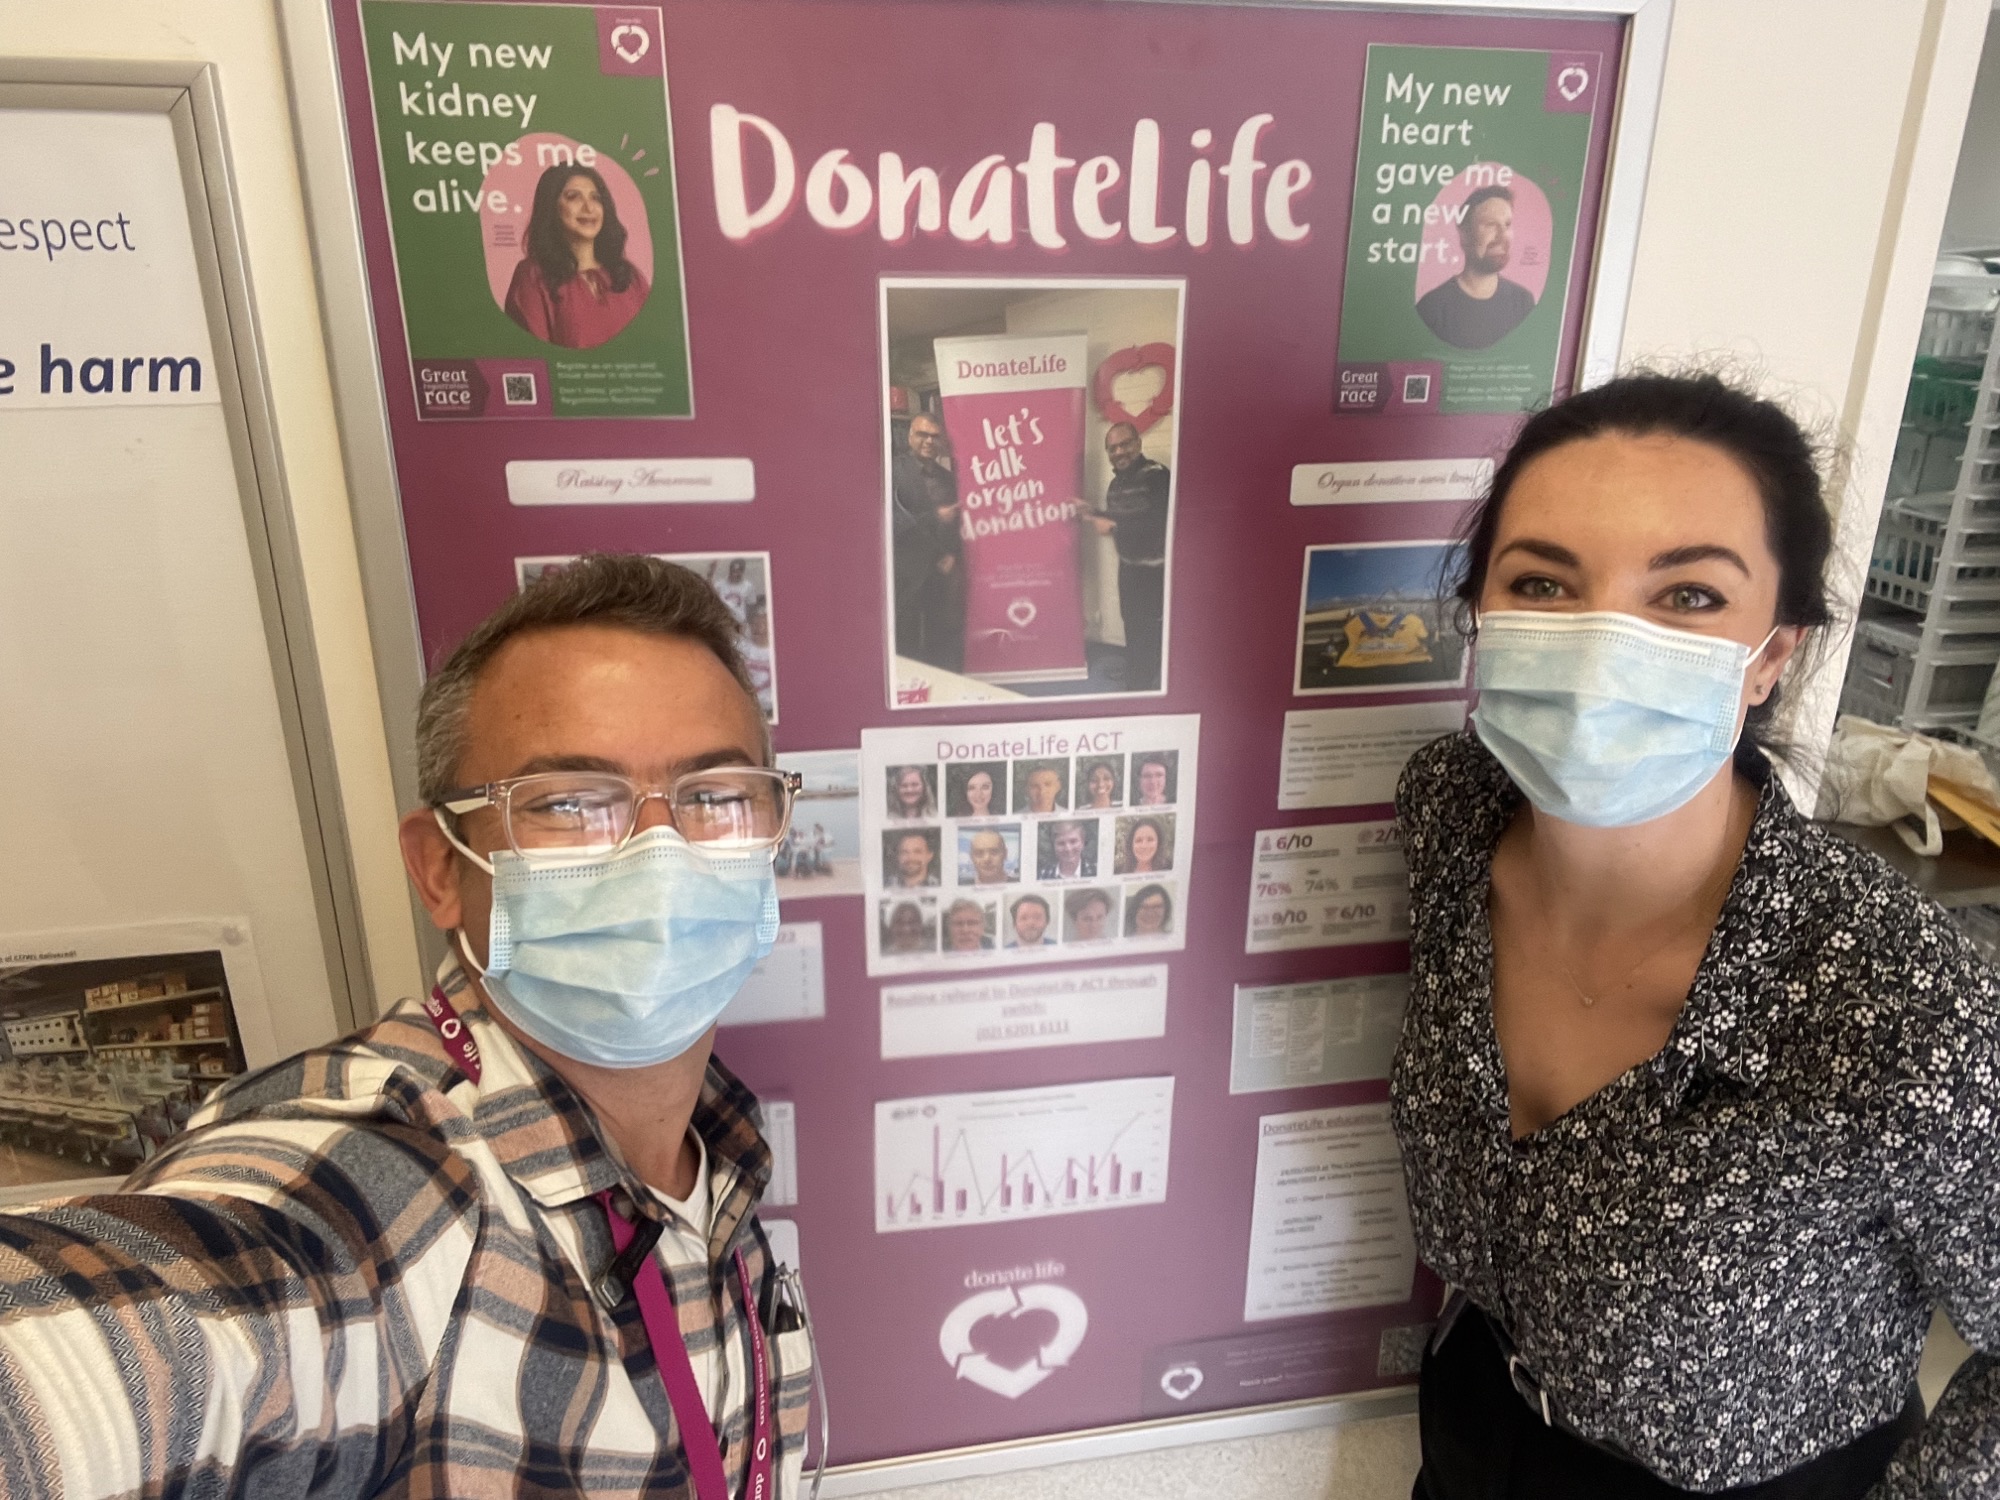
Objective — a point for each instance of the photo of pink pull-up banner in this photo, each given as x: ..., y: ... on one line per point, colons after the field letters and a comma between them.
x: 1013, y: 407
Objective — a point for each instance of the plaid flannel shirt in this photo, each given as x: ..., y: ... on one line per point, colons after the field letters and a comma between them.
x: 361, y: 1274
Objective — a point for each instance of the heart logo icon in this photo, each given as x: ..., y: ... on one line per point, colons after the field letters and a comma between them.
x: 1571, y: 82
x: 1128, y: 362
x: 1181, y: 1381
x: 1022, y: 612
x: 1071, y: 1321
x: 634, y: 42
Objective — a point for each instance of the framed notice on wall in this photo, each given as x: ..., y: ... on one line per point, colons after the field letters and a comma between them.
x: 1076, y: 405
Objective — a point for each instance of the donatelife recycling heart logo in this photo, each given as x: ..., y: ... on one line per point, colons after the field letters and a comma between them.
x: 1072, y: 1320
x: 1181, y: 1381
x: 632, y: 42
x: 1571, y: 82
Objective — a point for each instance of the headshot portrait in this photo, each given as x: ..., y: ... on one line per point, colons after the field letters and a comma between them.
x: 989, y: 856
x: 911, y: 791
x: 1090, y: 915
x: 1028, y: 924
x: 1041, y: 786
x: 1155, y: 778
x: 910, y: 857
x: 977, y: 789
x: 909, y: 924
x: 574, y: 286
x: 1066, y: 849
x: 1149, y: 911
x: 1100, y: 783
x: 968, y: 925
x: 1145, y: 844
x: 1481, y: 305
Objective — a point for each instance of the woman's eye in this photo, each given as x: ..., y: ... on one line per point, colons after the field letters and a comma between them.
x: 1534, y: 586
x: 1693, y: 598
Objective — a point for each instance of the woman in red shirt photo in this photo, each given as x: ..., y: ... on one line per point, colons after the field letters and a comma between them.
x: 575, y: 287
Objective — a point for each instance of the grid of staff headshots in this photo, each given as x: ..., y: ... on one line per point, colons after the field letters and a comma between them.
x: 742, y: 581
x: 1076, y: 852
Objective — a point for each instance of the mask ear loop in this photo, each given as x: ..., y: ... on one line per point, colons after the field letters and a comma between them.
x: 1757, y: 655
x: 459, y: 844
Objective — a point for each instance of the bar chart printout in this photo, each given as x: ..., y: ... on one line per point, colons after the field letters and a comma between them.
x: 1017, y: 1153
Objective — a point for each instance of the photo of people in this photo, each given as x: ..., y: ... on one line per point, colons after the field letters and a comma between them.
x: 1371, y: 619
x: 1049, y: 826
x: 574, y: 286
x: 102, y: 1060
x: 1479, y: 306
x: 976, y: 790
x: 1090, y: 915
x: 990, y: 855
x: 741, y: 580
x: 969, y: 925
x: 1066, y: 600
x: 1145, y: 844
x: 820, y: 854
x: 1041, y: 786
x: 1149, y: 911
x: 1028, y: 924
x: 1155, y: 778
x: 910, y: 857
x: 1066, y: 849
x: 909, y: 925
x: 1101, y: 783
x: 912, y: 792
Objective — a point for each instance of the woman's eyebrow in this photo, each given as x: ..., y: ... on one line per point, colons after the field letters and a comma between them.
x: 1547, y: 551
x: 1680, y: 557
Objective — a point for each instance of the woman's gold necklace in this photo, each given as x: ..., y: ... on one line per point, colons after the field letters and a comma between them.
x: 1709, y: 896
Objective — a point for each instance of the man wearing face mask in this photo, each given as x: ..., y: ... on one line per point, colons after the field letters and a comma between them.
x: 507, y: 1235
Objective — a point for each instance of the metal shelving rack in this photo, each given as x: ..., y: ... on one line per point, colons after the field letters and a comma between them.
x: 1929, y: 634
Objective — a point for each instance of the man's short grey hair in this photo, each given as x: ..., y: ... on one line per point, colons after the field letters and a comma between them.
x: 627, y: 590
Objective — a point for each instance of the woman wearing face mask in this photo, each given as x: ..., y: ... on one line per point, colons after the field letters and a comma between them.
x: 1696, y: 1101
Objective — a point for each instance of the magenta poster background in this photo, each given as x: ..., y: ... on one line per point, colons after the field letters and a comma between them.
x: 1024, y: 601
x: 786, y: 361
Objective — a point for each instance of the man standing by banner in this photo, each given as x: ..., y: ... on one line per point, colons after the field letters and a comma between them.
x: 1014, y: 408
x: 1136, y: 505
x: 930, y: 585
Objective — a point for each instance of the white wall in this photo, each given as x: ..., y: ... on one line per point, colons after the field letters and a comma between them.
x: 241, y: 38
x: 1973, y: 220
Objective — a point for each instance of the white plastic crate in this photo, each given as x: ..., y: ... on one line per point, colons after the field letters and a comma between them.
x: 1894, y: 676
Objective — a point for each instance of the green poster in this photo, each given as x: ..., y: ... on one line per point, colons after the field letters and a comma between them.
x: 528, y: 165
x: 1468, y: 178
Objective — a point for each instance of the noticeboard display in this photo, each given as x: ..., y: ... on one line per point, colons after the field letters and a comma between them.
x: 1094, y: 391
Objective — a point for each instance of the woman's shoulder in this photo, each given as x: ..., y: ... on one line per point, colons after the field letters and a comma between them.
x: 1890, y: 974
x: 1453, y: 790
x: 527, y: 274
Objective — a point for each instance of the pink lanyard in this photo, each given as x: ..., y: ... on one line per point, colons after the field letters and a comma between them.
x: 656, y: 1310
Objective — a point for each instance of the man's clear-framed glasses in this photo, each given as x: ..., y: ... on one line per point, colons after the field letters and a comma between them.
x: 725, y: 809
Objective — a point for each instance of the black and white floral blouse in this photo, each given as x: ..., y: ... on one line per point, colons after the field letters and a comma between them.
x: 1725, y: 1260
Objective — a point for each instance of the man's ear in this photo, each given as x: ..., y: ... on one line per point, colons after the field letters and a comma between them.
x: 433, y: 866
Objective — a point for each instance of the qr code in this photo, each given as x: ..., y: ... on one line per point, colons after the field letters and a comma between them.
x: 518, y: 390
x: 1402, y: 1349
x: 1416, y: 390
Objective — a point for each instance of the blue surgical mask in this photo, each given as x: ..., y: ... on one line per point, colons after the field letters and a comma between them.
x: 627, y: 959
x: 1604, y: 719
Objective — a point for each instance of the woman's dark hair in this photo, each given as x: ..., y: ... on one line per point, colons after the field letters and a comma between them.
x: 1146, y: 893
x: 1780, y: 458
x: 548, y: 242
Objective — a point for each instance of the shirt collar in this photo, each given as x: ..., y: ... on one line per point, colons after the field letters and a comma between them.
x: 548, y: 1141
